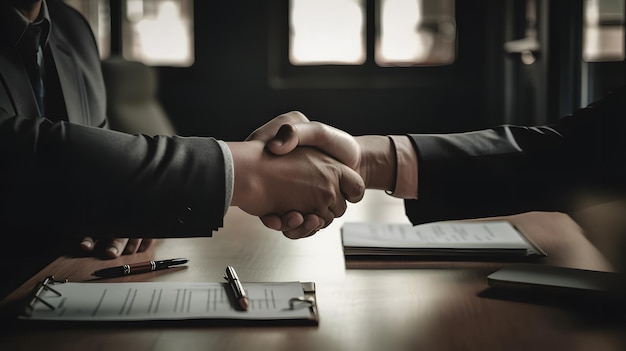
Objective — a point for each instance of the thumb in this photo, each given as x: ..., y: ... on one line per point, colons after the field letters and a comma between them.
x: 334, y: 142
x: 351, y: 184
x: 286, y: 139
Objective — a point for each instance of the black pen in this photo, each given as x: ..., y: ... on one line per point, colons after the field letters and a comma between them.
x: 140, y: 267
x: 235, y: 284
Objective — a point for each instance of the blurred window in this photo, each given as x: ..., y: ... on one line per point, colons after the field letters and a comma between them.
x: 158, y: 32
x: 327, y: 31
x: 407, y: 32
x: 603, y: 30
x: 416, y: 32
x: 155, y: 32
x: 98, y: 15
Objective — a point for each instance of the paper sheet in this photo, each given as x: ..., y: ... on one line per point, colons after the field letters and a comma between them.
x: 449, y: 235
x: 166, y: 301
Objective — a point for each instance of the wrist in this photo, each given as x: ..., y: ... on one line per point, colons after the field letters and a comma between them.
x: 244, y: 176
x: 378, y: 162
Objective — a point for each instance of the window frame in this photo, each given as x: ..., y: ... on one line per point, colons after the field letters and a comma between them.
x: 284, y: 75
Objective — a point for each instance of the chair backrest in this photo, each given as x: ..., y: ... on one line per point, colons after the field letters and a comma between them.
x: 132, y: 102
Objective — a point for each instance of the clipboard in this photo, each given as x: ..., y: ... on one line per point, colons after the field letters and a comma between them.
x: 272, y: 303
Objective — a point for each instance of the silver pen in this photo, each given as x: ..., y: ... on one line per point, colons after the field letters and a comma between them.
x: 235, y: 284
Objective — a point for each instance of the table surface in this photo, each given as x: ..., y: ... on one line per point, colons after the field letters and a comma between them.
x: 427, y: 305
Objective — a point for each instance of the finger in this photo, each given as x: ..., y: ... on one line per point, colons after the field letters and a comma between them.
x: 351, y: 184
x: 285, y: 222
x: 312, y: 223
x: 272, y: 221
x: 337, y: 209
x: 132, y: 245
x: 146, y: 244
x: 87, y: 244
x: 321, y: 223
x: 325, y: 224
x: 116, y: 247
x: 269, y: 129
x: 332, y: 141
x: 291, y: 220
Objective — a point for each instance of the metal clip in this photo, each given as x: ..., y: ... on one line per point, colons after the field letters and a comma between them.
x: 44, y: 285
x: 308, y: 300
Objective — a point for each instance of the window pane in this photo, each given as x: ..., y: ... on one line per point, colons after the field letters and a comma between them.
x: 416, y: 32
x: 158, y: 32
x: 603, y: 30
x: 98, y: 16
x: 326, y: 32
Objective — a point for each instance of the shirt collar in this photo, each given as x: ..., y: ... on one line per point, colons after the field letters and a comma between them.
x: 15, y: 24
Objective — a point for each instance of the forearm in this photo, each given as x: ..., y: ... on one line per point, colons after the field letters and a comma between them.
x: 79, y: 180
x: 500, y: 171
x: 510, y: 169
x: 466, y: 175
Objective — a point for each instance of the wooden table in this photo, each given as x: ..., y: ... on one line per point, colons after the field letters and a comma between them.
x: 432, y: 306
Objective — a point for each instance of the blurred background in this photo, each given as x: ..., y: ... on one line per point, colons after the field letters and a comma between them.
x: 223, y: 68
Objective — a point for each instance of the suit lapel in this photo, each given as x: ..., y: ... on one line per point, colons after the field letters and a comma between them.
x: 16, y: 82
x: 71, y: 82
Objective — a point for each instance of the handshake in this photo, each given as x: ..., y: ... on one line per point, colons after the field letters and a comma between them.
x: 297, y: 175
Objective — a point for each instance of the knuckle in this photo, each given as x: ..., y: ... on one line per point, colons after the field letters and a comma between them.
x: 328, y: 196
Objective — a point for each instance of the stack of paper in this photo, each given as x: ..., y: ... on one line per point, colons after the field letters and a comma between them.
x: 450, y: 238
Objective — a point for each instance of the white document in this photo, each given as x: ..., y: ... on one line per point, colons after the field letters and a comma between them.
x: 447, y: 236
x: 165, y: 301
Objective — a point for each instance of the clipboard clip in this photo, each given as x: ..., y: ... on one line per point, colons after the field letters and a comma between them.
x: 295, y: 302
x: 44, y: 286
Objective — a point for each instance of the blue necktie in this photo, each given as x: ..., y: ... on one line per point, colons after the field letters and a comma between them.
x: 33, y: 60
x: 38, y: 88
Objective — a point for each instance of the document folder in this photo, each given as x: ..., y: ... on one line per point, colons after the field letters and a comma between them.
x: 270, y: 302
x: 460, y: 240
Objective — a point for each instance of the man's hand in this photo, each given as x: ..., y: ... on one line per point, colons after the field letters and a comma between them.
x: 292, y: 223
x: 114, y: 248
x: 305, y: 180
x: 372, y: 156
x: 268, y: 131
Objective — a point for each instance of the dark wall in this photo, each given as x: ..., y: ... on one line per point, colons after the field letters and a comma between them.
x: 227, y: 93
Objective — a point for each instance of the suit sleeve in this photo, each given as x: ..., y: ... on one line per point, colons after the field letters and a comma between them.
x: 513, y: 169
x: 64, y: 178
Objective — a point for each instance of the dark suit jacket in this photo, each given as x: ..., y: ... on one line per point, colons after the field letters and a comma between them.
x: 66, y: 174
x: 511, y: 169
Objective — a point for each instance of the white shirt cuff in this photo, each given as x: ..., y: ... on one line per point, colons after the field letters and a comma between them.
x: 229, y: 175
x: 406, y: 170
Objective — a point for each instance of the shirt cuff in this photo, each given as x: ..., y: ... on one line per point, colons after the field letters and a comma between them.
x: 406, y: 169
x: 229, y: 175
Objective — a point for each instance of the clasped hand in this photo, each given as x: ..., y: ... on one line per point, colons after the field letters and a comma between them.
x: 296, y: 175
x: 371, y: 156
x: 308, y: 188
